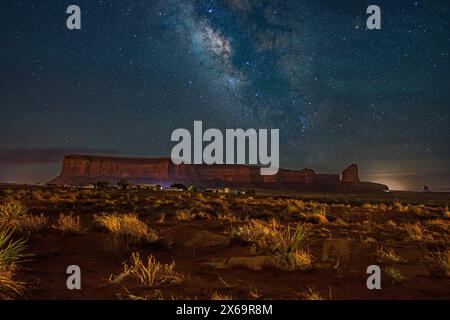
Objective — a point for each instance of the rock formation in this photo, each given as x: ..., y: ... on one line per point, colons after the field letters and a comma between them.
x: 84, y: 169
x: 350, y: 174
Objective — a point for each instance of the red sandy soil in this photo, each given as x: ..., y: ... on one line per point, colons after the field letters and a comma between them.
x: 341, y: 249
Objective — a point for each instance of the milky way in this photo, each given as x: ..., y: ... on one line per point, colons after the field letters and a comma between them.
x: 137, y: 70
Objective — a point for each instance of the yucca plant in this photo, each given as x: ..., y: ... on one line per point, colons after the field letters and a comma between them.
x: 290, y: 240
x: 11, y: 253
x: 12, y: 210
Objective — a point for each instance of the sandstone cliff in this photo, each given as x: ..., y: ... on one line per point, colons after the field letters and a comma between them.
x: 350, y: 174
x: 84, y: 169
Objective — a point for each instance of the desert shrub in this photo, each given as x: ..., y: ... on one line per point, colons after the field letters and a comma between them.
x: 123, y: 184
x: 178, y: 186
x: 38, y: 195
x: 317, y: 208
x: 148, y: 274
x: 13, y: 214
x: 126, y: 226
x: 21, y: 194
x: 284, y: 243
x: 31, y: 223
x: 295, y: 206
x: 271, y: 236
x: 70, y: 196
x: 69, y: 224
x: 314, y: 212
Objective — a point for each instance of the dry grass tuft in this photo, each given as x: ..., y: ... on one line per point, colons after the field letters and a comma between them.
x: 184, y: 216
x: 419, y: 209
x: 221, y: 296
x: 161, y: 218
x: 13, y: 214
x: 377, y: 207
x: 256, y: 294
x: 439, y: 263
x: 126, y: 226
x: 148, y: 274
x: 389, y: 256
x: 313, y: 295
x: 446, y: 212
x: 296, y: 260
x: 399, y: 206
x: 416, y: 232
x: 314, y: 212
x: 69, y: 224
x: 225, y: 216
x: 285, y: 244
x: 31, y: 223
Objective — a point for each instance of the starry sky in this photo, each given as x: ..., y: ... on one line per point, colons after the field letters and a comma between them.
x: 137, y: 70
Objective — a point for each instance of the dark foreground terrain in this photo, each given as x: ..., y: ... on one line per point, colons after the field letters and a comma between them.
x: 134, y: 244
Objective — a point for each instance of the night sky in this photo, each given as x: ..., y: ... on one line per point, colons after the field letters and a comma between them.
x: 137, y: 70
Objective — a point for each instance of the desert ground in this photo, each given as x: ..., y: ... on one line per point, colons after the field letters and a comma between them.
x: 139, y: 244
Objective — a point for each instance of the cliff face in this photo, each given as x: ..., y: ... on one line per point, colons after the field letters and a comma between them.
x: 81, y: 170
x: 350, y: 174
x: 78, y: 166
